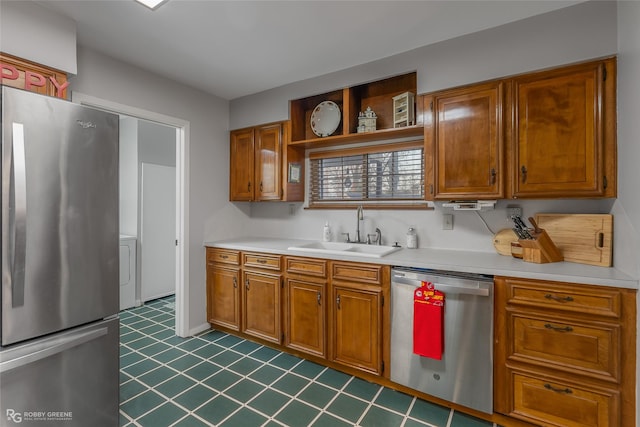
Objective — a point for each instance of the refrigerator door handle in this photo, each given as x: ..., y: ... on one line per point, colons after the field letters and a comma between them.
x: 58, y: 346
x: 18, y: 221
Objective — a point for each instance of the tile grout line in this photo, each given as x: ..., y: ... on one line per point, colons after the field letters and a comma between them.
x: 196, y: 347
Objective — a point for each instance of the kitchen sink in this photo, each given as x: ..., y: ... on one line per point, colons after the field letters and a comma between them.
x: 337, y: 248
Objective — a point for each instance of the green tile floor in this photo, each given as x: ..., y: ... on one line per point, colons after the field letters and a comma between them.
x: 216, y: 379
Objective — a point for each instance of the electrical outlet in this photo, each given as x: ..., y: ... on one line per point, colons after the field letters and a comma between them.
x: 513, y: 211
x: 447, y: 221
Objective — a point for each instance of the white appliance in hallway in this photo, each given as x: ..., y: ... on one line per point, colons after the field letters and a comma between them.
x: 127, y: 271
x: 158, y: 231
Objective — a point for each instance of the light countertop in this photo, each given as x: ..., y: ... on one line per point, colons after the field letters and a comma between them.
x: 451, y: 260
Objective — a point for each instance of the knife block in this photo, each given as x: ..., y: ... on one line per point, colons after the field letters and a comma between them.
x: 540, y: 249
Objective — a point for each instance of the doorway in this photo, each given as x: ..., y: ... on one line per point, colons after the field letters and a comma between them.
x: 181, y: 255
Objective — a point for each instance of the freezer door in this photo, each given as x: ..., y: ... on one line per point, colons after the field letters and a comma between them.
x: 69, y: 379
x: 59, y: 215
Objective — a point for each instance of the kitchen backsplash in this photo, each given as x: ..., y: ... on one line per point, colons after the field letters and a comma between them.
x: 469, y: 232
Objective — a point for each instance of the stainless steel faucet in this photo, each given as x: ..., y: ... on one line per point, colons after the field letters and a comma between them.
x: 359, y: 217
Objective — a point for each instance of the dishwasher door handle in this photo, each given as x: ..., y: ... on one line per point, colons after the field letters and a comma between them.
x: 474, y: 288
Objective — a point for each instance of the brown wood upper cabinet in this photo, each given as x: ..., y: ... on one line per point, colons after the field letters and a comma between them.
x: 463, y: 132
x: 564, y: 132
x: 260, y: 157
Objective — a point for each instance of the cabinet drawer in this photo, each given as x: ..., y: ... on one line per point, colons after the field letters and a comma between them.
x: 223, y: 256
x: 579, y: 299
x: 362, y: 273
x: 269, y: 262
x: 581, y: 348
x: 307, y: 266
x: 560, y: 404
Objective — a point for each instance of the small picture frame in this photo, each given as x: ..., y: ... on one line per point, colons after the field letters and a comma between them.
x: 294, y: 172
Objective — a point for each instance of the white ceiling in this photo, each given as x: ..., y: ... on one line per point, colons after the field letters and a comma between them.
x: 237, y: 48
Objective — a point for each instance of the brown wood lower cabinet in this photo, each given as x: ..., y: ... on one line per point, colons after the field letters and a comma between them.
x: 223, y: 302
x: 306, y: 316
x: 559, y: 402
x: 357, y: 327
x: 261, y: 306
x: 565, y: 353
x: 223, y: 288
x: 305, y: 307
x: 357, y: 314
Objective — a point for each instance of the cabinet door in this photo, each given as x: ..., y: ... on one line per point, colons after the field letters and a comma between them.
x: 357, y: 326
x: 468, y: 143
x: 242, y: 167
x: 305, y: 329
x: 223, y: 303
x: 268, y: 153
x: 261, y: 306
x: 558, y: 133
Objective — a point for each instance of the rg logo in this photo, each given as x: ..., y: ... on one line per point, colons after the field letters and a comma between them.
x: 14, y: 416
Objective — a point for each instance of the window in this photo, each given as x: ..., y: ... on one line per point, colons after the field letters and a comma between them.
x: 385, y: 173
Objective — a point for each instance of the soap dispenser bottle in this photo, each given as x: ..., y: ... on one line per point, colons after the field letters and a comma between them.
x: 412, y: 239
x: 326, y: 232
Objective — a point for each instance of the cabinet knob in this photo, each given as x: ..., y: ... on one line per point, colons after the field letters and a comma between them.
x: 319, y: 298
x: 523, y: 174
x: 261, y: 186
x: 235, y: 282
x: 338, y: 301
x: 246, y: 284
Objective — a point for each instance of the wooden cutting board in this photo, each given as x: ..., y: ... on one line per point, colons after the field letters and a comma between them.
x: 502, y: 241
x: 581, y: 238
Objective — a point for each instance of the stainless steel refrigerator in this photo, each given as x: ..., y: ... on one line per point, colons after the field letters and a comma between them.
x: 59, y: 348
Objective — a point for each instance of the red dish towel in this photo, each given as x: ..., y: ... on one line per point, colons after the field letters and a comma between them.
x: 428, y: 316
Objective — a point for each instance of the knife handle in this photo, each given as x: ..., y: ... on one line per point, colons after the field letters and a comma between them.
x: 535, y: 225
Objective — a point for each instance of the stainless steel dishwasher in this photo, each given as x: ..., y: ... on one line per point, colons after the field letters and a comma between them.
x: 465, y: 373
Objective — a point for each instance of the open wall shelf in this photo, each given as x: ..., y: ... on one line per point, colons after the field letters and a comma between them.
x: 378, y: 95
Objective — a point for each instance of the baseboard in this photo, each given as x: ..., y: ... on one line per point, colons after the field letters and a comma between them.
x: 201, y: 328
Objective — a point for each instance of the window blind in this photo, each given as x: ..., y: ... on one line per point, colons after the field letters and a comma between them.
x: 382, y: 174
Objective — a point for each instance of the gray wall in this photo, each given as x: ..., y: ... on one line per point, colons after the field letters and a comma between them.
x: 581, y: 32
x: 627, y: 209
x: 31, y: 31
x: 208, y: 118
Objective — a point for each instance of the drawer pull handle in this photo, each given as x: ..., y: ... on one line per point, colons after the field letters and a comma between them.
x: 558, y: 328
x: 224, y: 256
x: 558, y: 390
x: 262, y: 261
x: 559, y: 299
x: 319, y: 297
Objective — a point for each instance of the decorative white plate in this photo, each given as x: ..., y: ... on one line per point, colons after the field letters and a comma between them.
x: 325, y: 118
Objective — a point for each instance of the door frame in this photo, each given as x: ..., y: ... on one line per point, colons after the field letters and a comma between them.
x: 182, y: 194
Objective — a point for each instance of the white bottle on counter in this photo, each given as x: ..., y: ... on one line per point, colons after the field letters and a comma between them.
x: 412, y: 239
x: 326, y: 232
